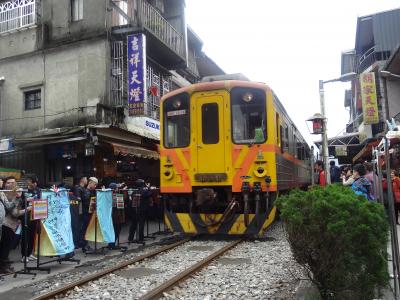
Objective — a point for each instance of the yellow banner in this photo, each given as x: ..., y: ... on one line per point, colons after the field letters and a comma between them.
x: 368, y: 96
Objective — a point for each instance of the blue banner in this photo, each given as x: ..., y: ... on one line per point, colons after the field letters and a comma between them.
x: 104, y: 204
x: 57, y: 236
x: 136, y: 73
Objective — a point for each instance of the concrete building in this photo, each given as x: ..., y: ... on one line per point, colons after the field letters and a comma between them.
x: 64, y: 83
x: 377, y: 36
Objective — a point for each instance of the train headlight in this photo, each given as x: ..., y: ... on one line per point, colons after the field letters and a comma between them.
x: 168, y: 174
x: 247, y: 97
x: 177, y: 103
x: 260, y: 172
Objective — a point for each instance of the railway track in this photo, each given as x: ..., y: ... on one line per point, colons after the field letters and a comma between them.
x: 64, y: 289
x: 154, y: 293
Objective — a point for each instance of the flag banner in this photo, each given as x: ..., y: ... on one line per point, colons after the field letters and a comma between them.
x: 103, y: 229
x: 56, y: 234
x: 39, y: 209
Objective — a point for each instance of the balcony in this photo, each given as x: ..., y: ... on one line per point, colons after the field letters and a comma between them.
x: 18, y: 14
x: 153, y: 21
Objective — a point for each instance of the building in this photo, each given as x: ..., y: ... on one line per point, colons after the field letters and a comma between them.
x: 69, y: 83
x: 377, y: 37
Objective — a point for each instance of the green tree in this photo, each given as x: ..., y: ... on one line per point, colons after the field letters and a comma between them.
x: 339, y: 238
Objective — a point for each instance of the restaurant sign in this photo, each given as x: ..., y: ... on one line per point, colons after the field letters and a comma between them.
x: 369, y: 99
x: 136, y: 73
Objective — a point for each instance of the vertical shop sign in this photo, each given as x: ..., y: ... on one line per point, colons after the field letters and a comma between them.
x: 369, y: 100
x: 136, y: 73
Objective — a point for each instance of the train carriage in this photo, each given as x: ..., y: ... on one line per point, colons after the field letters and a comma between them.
x: 227, y: 149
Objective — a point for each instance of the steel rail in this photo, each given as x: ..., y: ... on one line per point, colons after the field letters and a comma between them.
x: 62, y: 290
x: 158, y: 292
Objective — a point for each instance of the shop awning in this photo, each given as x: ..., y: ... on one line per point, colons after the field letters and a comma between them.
x: 134, y: 151
x: 366, y: 151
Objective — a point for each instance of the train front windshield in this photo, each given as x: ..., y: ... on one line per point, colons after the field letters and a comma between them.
x: 248, y: 116
x: 176, y: 121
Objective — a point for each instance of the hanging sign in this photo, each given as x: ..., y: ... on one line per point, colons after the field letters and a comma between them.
x: 119, y: 201
x: 137, y: 91
x: 369, y: 99
x: 340, y: 150
x: 39, y: 209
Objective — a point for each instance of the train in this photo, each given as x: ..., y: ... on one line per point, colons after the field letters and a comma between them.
x: 227, y: 149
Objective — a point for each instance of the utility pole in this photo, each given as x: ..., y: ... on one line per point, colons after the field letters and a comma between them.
x: 324, y: 132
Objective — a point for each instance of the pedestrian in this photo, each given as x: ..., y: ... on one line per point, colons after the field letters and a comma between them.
x: 335, y: 172
x: 82, y: 197
x: 87, y: 210
x: 142, y: 206
x: 347, y: 177
x: 319, y: 168
x: 11, y: 223
x: 396, y: 192
x: 371, y: 176
x: 361, y: 185
x: 34, y: 193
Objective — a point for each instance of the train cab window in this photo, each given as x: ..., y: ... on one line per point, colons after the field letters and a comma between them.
x: 248, y: 108
x: 176, y: 121
x: 210, y: 124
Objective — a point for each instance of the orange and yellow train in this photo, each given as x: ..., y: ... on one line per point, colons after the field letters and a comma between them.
x: 227, y: 148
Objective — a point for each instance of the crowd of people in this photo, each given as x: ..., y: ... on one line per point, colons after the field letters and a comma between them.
x: 362, y: 180
x: 16, y: 206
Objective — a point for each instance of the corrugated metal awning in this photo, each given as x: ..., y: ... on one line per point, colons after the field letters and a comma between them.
x: 134, y: 151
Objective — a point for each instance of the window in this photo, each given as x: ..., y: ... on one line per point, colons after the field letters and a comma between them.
x: 32, y: 99
x: 210, y: 124
x: 248, y: 116
x: 176, y: 121
x: 76, y: 10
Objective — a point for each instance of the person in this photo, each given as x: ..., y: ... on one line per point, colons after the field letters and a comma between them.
x: 396, y: 192
x: 88, y: 209
x: 361, y: 185
x: 82, y: 197
x: 371, y: 176
x: 141, y: 203
x: 1, y: 183
x: 335, y: 172
x: 347, y: 177
x: 11, y: 223
x: 319, y: 168
x: 34, y: 193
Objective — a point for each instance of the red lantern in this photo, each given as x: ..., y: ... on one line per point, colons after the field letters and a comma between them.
x: 154, y: 90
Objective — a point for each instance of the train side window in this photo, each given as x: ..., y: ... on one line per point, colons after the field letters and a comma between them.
x: 209, y: 123
x: 176, y: 121
x: 278, y: 131
x: 285, y: 139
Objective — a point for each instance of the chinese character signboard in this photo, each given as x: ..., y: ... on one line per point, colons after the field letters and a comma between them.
x: 369, y: 100
x: 136, y: 74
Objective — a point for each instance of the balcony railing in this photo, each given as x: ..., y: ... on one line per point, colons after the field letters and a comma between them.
x: 18, y: 14
x: 160, y: 27
x: 366, y: 60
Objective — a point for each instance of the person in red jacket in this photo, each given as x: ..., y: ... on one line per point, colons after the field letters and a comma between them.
x: 396, y: 192
x: 319, y: 168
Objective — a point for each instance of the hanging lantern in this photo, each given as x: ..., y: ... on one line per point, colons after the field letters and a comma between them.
x: 317, y: 123
x: 154, y: 90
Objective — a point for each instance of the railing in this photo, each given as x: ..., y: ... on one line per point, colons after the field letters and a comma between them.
x: 192, y: 65
x: 366, y: 60
x: 160, y: 27
x: 17, y: 14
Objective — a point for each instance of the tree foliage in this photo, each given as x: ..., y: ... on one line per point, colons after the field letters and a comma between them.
x: 340, y: 238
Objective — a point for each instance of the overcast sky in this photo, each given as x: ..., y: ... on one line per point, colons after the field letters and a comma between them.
x: 288, y: 45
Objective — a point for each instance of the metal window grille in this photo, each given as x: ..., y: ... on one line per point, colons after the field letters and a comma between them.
x: 117, y: 73
x: 33, y: 99
x: 18, y: 14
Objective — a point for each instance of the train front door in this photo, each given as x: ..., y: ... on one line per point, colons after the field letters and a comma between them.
x: 210, y: 134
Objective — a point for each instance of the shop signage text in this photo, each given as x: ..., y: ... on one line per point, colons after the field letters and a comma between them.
x: 369, y: 100
x: 136, y: 73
